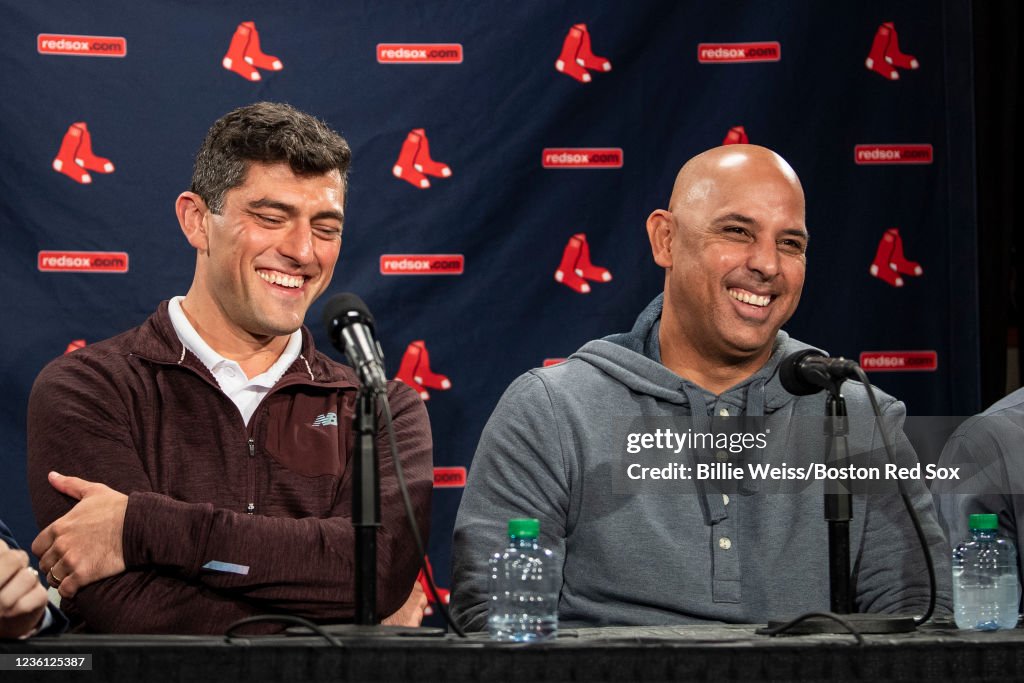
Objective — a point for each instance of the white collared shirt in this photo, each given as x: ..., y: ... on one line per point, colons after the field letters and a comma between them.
x: 245, y: 393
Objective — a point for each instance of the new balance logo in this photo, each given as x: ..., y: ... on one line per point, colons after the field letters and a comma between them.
x: 326, y: 420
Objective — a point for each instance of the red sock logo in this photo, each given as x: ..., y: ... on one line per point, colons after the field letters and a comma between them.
x: 245, y: 56
x: 442, y: 593
x: 74, y: 346
x: 75, y: 156
x: 577, y: 57
x: 415, y: 371
x: 414, y: 163
x: 890, y: 262
x: 736, y: 136
x: 885, y: 55
x: 576, y: 268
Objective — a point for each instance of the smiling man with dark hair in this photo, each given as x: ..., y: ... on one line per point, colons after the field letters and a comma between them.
x: 208, y: 451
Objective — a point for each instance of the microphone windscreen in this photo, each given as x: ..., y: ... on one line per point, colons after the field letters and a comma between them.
x: 789, y: 374
x: 341, y: 310
x: 346, y: 306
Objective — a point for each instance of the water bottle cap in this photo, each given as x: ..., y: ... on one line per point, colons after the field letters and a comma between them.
x: 984, y: 522
x: 523, y: 528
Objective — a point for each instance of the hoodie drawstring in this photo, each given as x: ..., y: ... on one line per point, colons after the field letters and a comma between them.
x: 711, y: 503
x: 754, y: 409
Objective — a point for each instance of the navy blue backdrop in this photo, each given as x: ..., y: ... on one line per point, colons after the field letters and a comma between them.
x: 144, y: 81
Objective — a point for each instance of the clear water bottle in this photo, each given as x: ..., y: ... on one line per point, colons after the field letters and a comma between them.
x: 524, y: 594
x: 986, y: 590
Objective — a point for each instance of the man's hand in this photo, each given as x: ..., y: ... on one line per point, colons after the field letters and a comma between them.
x: 22, y: 597
x: 84, y: 545
x: 411, y: 613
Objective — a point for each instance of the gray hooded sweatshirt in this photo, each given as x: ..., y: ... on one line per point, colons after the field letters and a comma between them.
x: 643, y: 552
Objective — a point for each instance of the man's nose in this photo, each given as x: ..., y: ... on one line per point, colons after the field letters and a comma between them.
x: 763, y: 258
x: 297, y: 243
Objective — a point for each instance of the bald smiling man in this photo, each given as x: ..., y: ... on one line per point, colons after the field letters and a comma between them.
x: 702, y: 357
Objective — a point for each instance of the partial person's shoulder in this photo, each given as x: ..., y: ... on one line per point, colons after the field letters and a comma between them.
x: 556, y: 371
x: 329, y: 370
x: 856, y: 395
x: 571, y: 374
x: 1011, y: 405
x: 1003, y: 420
x: 104, y: 357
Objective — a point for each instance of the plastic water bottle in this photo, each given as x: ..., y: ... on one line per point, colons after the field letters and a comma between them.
x: 986, y: 589
x: 524, y: 595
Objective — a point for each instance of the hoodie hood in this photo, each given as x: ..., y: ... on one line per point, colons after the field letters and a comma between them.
x: 634, y: 359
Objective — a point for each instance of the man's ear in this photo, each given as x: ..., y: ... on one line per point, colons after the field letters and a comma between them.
x: 192, y: 212
x: 661, y: 230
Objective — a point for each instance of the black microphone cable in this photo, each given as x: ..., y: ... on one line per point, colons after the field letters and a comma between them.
x: 410, y: 515
x: 889, y: 453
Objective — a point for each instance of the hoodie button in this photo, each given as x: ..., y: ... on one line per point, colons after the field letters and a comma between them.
x: 724, y: 543
x: 724, y: 412
x: 725, y: 498
x: 722, y: 455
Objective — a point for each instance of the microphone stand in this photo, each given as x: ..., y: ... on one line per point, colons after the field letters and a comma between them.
x: 838, y: 513
x: 366, y: 521
x: 366, y: 507
x: 838, y: 503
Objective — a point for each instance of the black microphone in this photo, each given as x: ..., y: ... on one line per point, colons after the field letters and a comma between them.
x: 808, y: 372
x: 351, y: 329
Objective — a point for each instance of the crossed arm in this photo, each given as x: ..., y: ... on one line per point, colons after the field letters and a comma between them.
x: 298, y: 566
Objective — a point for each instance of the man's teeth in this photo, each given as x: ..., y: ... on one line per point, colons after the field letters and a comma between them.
x: 748, y: 298
x: 281, y: 279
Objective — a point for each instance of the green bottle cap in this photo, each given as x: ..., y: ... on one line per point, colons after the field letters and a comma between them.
x: 978, y: 522
x: 523, y: 528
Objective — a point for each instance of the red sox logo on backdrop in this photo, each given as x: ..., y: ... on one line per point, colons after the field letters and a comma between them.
x: 449, y: 477
x: 885, y: 55
x: 414, y: 162
x: 738, y: 53
x: 415, y: 371
x: 419, y: 53
x: 75, y: 156
x: 581, y: 157
x: 442, y: 593
x: 892, y: 153
x: 74, y: 345
x: 422, y: 264
x: 576, y: 267
x: 577, y: 57
x: 899, y: 361
x: 244, y: 55
x: 81, y: 46
x: 890, y: 262
x: 83, y: 262
x: 736, y: 136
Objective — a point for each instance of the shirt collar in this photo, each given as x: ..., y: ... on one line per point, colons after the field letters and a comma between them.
x: 191, y: 340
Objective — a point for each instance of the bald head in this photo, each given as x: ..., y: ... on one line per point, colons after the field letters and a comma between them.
x: 733, y: 245
x: 703, y: 175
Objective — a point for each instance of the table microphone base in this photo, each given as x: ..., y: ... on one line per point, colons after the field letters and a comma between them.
x: 371, y: 631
